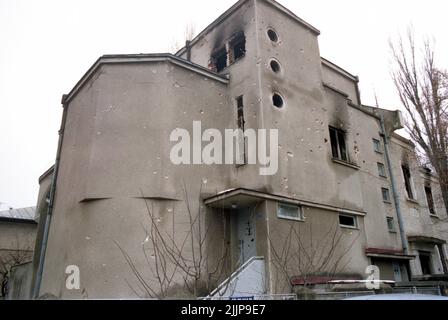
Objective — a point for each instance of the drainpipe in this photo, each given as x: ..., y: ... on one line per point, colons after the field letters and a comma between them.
x: 404, y: 241
x: 43, y: 250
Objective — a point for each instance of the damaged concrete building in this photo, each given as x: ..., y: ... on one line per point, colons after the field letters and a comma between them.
x: 348, y: 192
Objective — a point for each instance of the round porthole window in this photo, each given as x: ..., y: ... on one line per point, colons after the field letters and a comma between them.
x: 275, y: 66
x: 272, y: 35
x: 277, y: 100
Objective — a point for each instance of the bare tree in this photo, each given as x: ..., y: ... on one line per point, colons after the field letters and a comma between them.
x: 189, y: 33
x: 182, y: 266
x: 10, y: 259
x: 302, y: 254
x: 423, y: 90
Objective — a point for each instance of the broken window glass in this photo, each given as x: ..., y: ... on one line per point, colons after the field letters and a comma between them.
x: 407, y: 181
x: 219, y: 60
x: 338, y: 144
x: 430, y: 199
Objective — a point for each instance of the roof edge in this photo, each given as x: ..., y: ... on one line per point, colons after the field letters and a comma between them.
x: 234, y: 8
x: 142, y: 58
x: 339, y: 70
x: 46, y: 173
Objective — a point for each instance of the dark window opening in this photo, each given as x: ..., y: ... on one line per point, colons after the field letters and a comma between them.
x: 347, y: 221
x: 377, y: 145
x: 219, y: 60
x: 237, y: 47
x: 338, y: 144
x: 277, y: 100
x: 386, y: 194
x: 425, y: 261
x: 240, y: 112
x: 407, y: 181
x: 430, y: 200
x: 272, y: 35
x: 275, y: 66
x: 390, y: 224
x: 381, y: 170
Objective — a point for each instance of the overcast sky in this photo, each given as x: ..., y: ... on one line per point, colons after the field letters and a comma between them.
x: 47, y: 45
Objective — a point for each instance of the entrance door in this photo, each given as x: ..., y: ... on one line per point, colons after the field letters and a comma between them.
x: 398, y: 277
x: 246, y: 235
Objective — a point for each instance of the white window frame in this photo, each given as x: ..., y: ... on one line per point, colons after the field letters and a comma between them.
x: 301, y: 215
x: 355, y: 220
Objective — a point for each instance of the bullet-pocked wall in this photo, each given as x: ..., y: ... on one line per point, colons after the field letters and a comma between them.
x: 116, y: 155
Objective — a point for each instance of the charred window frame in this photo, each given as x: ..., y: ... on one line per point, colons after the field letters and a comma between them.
x: 430, y: 200
x: 338, y: 144
x: 233, y: 50
x: 219, y: 60
x: 407, y: 181
x: 237, y: 47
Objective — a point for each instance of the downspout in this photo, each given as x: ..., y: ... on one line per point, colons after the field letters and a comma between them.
x: 43, y: 250
x: 404, y: 241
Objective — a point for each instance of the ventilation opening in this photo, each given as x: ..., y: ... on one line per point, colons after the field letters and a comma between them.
x: 275, y: 66
x: 272, y: 35
x: 277, y: 100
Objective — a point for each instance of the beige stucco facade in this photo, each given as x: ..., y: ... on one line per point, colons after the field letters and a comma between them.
x: 114, y: 162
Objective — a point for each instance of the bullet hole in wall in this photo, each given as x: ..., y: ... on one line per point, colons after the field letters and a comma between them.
x: 272, y: 35
x: 277, y: 100
x: 275, y: 66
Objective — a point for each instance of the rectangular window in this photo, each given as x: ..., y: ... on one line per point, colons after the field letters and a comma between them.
x: 430, y: 199
x: 425, y: 261
x: 407, y: 181
x: 348, y: 221
x: 377, y: 145
x: 237, y: 47
x: 240, y: 112
x: 338, y: 145
x: 288, y: 211
x: 381, y: 170
x: 386, y: 194
x: 219, y: 60
x: 390, y: 224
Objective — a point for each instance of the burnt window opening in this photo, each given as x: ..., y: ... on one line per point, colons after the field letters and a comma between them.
x: 407, y: 181
x: 219, y: 60
x: 277, y: 100
x: 272, y: 35
x: 386, y: 194
x: 233, y: 50
x: 275, y: 66
x: 338, y: 144
x: 237, y: 47
x: 430, y: 199
x: 240, y: 112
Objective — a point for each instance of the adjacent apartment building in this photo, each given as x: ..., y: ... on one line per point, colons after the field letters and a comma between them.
x: 347, y: 192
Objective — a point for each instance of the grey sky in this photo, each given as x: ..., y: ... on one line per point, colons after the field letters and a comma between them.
x: 46, y: 46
